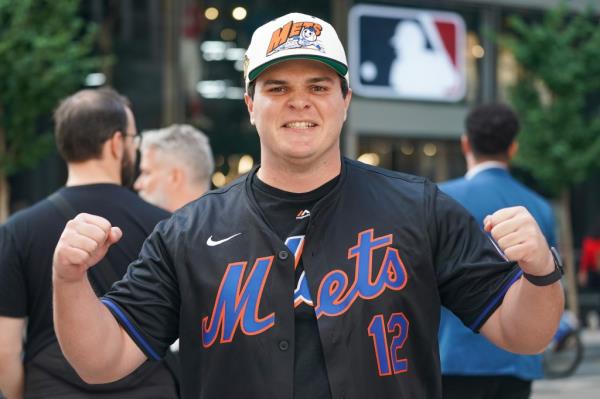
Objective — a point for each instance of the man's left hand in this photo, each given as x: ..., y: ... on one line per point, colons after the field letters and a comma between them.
x: 521, y: 240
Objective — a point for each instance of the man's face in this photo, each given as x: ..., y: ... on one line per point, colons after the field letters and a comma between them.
x: 129, y: 151
x: 153, y: 182
x: 298, y: 110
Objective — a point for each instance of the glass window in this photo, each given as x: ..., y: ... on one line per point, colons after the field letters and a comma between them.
x: 438, y: 160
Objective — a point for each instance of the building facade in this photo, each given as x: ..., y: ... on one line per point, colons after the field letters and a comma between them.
x: 182, y: 60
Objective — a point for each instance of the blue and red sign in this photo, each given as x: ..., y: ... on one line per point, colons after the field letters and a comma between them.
x: 407, y: 53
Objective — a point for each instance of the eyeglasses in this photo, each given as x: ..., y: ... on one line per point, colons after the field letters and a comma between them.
x: 137, y: 138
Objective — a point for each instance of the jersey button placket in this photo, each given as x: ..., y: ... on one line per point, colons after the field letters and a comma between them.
x: 283, y: 255
x: 284, y: 345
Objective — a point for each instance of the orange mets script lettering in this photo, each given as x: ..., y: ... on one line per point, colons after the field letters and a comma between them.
x: 288, y: 30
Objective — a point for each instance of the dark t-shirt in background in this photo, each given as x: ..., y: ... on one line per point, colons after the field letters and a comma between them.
x: 28, y: 239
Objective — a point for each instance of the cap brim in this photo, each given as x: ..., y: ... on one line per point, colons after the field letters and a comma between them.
x: 337, y: 66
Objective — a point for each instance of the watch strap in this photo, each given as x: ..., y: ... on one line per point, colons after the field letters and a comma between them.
x: 551, y: 278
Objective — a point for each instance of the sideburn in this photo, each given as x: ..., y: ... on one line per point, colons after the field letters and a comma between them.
x: 127, y: 170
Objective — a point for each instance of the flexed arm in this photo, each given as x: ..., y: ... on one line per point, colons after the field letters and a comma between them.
x: 90, y: 337
x: 529, y: 314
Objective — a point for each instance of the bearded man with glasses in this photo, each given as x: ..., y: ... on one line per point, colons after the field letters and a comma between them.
x: 96, y: 135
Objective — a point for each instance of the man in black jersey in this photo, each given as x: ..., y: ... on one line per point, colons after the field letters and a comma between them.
x: 314, y: 276
x: 95, y: 134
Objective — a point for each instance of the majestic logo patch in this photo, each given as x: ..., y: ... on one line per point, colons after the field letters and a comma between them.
x: 296, y: 35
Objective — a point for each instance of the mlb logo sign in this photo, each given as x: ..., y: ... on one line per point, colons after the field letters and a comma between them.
x: 407, y: 53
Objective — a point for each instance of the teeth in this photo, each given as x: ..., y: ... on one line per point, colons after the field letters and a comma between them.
x: 299, y: 125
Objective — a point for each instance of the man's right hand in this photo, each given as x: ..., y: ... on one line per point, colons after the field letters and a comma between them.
x: 83, y: 243
x: 89, y: 335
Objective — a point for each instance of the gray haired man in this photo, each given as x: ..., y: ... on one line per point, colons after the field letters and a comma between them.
x: 176, y: 166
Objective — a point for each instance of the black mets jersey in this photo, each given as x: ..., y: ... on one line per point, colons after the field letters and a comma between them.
x: 289, y: 216
x: 381, y: 252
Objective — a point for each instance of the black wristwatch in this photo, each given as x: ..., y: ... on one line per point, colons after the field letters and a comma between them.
x: 551, y: 278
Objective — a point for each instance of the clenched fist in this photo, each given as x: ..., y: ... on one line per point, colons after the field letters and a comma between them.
x: 83, y: 243
x: 521, y: 240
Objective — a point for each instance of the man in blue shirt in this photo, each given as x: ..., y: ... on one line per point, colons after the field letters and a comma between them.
x: 472, y: 367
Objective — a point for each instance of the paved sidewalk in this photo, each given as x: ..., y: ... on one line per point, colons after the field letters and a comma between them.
x: 584, y: 384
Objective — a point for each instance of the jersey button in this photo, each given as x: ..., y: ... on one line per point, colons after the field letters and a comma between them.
x: 284, y: 345
x: 283, y: 255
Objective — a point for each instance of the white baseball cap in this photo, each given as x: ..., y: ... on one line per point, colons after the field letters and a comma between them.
x: 294, y: 36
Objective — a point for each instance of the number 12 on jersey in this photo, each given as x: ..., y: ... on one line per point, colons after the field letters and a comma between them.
x: 388, y: 362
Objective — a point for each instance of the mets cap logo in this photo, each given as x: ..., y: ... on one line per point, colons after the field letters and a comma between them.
x: 296, y: 35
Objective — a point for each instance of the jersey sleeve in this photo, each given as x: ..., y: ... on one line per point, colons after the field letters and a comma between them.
x: 472, y: 273
x: 146, y: 301
x: 13, y: 288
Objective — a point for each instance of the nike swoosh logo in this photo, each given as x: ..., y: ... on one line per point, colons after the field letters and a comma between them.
x: 212, y: 243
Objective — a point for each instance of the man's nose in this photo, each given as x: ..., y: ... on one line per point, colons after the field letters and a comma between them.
x: 137, y: 185
x: 299, y: 101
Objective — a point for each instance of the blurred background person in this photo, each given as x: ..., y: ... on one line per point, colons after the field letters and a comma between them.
x: 472, y: 367
x: 176, y: 166
x: 96, y: 135
x: 589, y: 265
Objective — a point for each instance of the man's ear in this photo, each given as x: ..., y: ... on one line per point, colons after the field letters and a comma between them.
x: 513, y: 149
x: 250, y: 105
x: 465, y: 145
x: 115, y: 145
x: 176, y: 176
x: 347, y: 103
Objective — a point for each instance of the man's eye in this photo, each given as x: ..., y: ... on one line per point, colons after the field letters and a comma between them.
x: 277, y: 89
x: 319, y: 88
